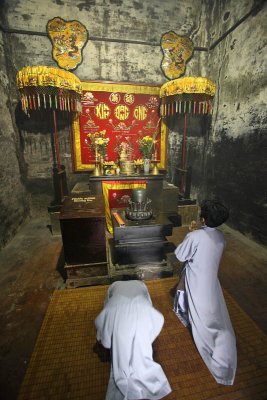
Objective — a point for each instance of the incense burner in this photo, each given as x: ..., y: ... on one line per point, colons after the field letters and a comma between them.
x: 139, y: 206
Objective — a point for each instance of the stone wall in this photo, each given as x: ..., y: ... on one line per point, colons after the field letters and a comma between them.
x: 124, y: 35
x: 228, y: 154
x: 236, y: 162
x: 14, y: 201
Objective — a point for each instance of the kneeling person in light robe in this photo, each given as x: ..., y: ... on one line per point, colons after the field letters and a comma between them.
x: 128, y: 325
x: 199, y: 300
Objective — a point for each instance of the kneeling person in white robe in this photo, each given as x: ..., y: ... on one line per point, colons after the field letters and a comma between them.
x: 128, y: 325
x: 199, y: 301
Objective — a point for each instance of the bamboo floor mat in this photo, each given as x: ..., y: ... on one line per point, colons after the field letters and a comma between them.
x: 68, y: 364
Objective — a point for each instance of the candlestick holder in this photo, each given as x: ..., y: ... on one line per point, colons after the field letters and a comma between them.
x: 155, y: 170
x: 138, y: 169
x: 96, y: 170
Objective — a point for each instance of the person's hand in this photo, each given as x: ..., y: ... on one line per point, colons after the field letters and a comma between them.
x: 193, y: 226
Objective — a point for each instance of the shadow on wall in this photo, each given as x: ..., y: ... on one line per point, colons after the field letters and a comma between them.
x: 238, y: 177
x: 36, y: 134
x: 197, y: 136
x: 40, y: 121
x: 39, y: 158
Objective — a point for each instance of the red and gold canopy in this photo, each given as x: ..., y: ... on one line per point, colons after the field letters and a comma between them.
x: 191, y: 94
x: 48, y: 87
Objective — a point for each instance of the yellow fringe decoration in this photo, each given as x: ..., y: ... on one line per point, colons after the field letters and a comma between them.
x: 48, y: 76
x: 188, y: 84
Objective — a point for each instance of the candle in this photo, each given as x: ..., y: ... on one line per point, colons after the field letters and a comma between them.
x: 155, y: 150
x: 30, y: 102
x: 34, y: 103
x: 96, y: 153
x: 118, y: 218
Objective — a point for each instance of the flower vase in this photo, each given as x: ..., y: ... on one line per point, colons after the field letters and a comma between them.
x: 146, y: 166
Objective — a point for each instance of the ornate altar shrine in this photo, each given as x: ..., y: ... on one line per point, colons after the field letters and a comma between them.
x: 120, y: 114
x: 118, y: 127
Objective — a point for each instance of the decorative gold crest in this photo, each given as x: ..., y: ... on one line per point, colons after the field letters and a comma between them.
x: 177, y: 50
x: 68, y: 40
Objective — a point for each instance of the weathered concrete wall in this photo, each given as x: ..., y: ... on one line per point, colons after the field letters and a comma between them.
x: 14, y: 202
x: 236, y: 157
x: 225, y: 158
x: 112, y: 54
x: 114, y: 22
x: 228, y: 156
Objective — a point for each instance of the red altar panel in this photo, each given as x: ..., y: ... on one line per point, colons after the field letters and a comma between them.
x: 123, y: 111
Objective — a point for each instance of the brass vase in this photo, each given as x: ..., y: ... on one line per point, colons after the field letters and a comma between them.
x: 101, y: 165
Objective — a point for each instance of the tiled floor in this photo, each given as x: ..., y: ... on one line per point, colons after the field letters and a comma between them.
x: 32, y: 268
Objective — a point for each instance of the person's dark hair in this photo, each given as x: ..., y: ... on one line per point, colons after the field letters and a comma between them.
x: 214, y: 213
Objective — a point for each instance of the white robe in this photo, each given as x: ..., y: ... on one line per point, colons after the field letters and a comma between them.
x: 202, y: 305
x: 128, y: 324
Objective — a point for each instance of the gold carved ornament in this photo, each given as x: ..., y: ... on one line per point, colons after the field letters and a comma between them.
x: 68, y: 38
x: 129, y: 90
x: 177, y: 50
